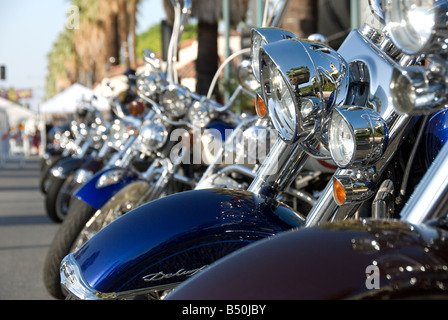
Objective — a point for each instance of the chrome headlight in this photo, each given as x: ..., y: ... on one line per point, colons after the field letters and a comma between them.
x: 417, y: 26
x: 109, y: 178
x: 81, y: 176
x: 149, y: 84
x: 358, y: 136
x: 419, y: 90
x: 118, y: 134
x: 176, y: 99
x: 200, y: 114
x: 300, y: 82
x: 246, y: 76
x: 260, y: 37
x: 153, y: 135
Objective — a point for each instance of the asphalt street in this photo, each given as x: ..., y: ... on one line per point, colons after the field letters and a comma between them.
x: 25, y: 232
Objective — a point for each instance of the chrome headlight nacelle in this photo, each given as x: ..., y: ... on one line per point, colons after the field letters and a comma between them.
x: 153, y: 135
x: 300, y: 82
x: 201, y: 112
x: 261, y: 37
x: 358, y: 136
x: 420, y: 90
x: 149, y: 84
x: 176, y: 100
x: 417, y: 27
x: 109, y: 178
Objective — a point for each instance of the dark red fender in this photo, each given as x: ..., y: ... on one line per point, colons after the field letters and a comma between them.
x: 330, y: 262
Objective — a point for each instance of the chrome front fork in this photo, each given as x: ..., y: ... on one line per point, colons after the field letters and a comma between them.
x: 280, y: 168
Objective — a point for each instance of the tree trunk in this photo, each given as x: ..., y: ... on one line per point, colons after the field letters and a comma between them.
x: 301, y: 17
x: 207, y: 60
x: 132, y: 26
x: 124, y: 27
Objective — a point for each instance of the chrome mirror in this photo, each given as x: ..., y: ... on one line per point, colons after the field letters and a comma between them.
x: 150, y: 58
x: 376, y: 7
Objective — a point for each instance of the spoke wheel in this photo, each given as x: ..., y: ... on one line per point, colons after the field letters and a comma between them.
x: 124, y: 201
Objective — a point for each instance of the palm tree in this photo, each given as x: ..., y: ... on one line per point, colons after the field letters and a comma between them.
x: 62, y: 64
x: 94, y: 47
x: 133, y: 5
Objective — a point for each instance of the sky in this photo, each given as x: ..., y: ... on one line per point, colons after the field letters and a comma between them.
x: 28, y: 29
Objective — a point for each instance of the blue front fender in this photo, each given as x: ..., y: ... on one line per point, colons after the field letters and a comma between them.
x: 165, y: 241
x: 97, y: 197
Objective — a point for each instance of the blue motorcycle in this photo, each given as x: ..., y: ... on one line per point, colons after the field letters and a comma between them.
x: 314, y: 95
x: 201, y: 226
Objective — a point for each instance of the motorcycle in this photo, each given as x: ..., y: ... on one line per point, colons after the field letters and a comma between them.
x: 118, y: 188
x: 62, y: 144
x: 399, y: 252
x: 168, y: 240
x: 86, y: 145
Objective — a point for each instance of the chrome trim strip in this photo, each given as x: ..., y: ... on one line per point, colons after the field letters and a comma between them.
x: 72, y: 281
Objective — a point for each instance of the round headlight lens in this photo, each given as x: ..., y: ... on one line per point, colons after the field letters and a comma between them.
x: 280, y: 103
x: 176, y: 100
x: 148, y: 84
x: 199, y: 113
x: 358, y: 136
x: 341, y: 140
x: 410, y: 24
x: 154, y: 135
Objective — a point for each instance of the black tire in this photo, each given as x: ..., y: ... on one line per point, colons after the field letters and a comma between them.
x: 54, y: 186
x: 44, y: 176
x: 46, y: 166
x: 78, y: 215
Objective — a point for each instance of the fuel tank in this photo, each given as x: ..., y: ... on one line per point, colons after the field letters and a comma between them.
x: 342, y: 260
x: 164, y: 242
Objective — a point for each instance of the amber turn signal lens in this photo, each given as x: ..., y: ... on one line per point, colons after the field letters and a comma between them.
x: 260, y: 107
x: 136, y: 108
x: 338, y: 192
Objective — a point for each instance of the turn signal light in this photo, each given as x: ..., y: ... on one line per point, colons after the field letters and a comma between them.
x: 260, y: 107
x: 136, y: 108
x: 347, y: 189
x: 338, y: 192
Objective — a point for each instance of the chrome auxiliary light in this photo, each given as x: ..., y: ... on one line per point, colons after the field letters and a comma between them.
x: 358, y: 136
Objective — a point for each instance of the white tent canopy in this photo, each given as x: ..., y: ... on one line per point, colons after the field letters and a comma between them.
x: 72, y: 98
x: 15, y: 113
